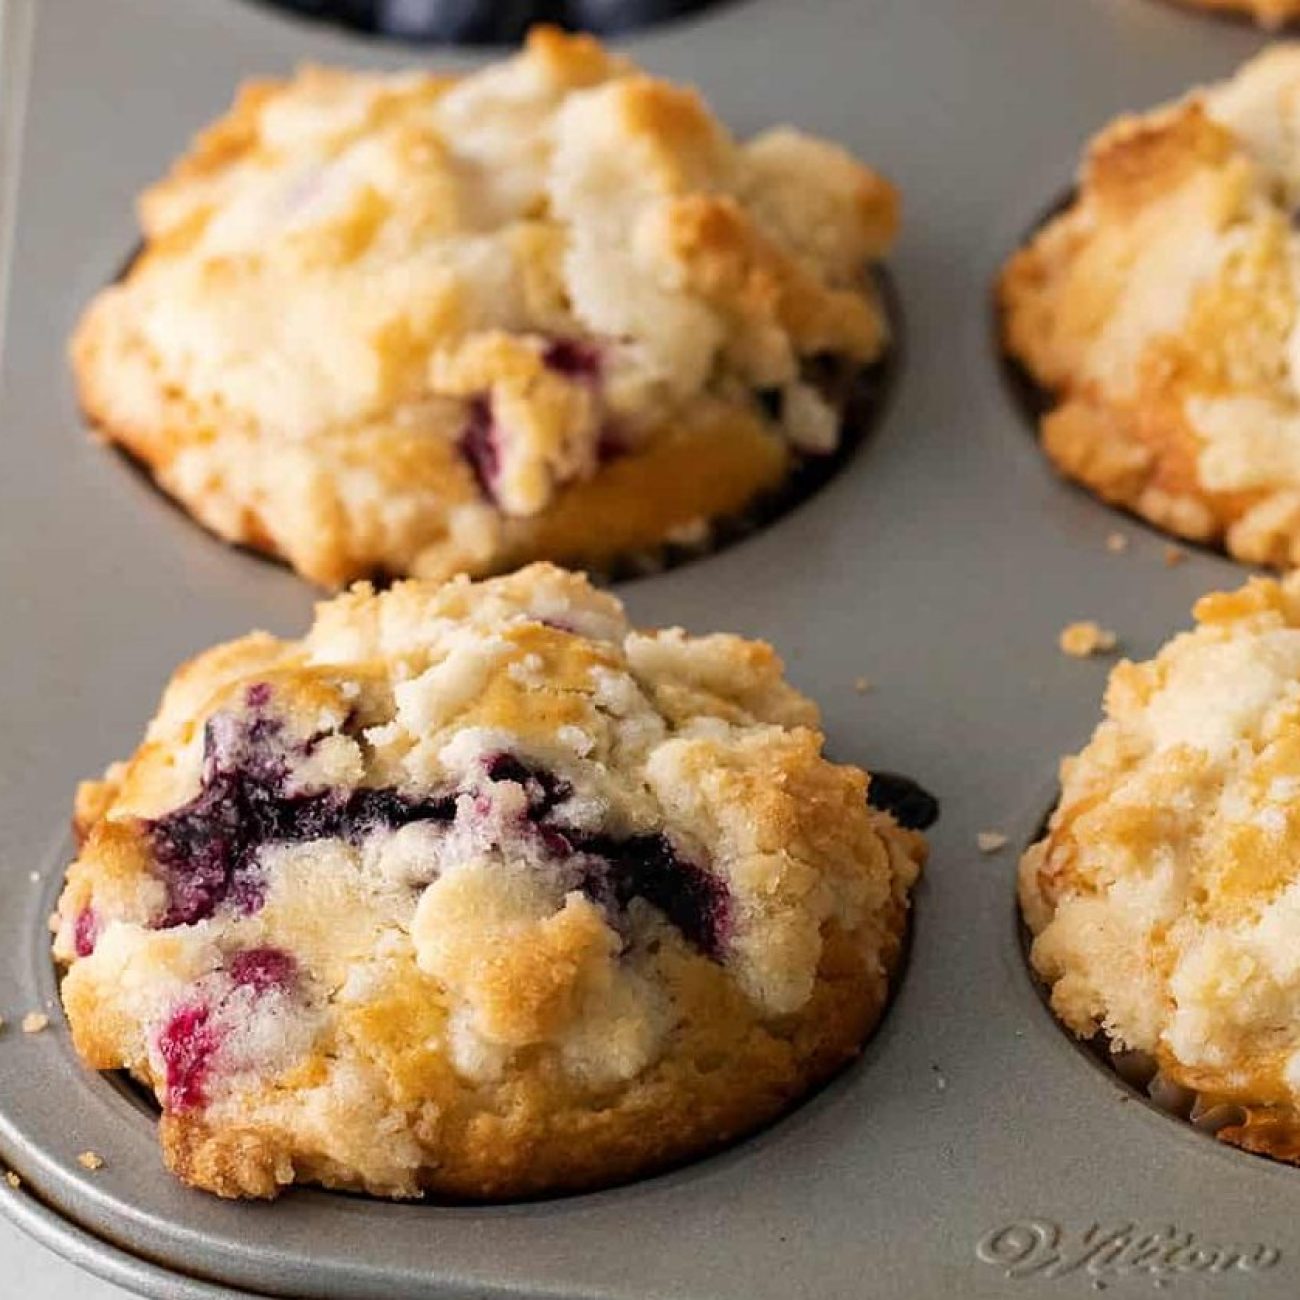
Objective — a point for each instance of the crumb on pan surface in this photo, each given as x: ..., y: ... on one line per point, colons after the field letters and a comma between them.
x: 1164, y: 899
x: 476, y: 889
x: 419, y: 324
x: 1084, y: 638
x: 1159, y: 310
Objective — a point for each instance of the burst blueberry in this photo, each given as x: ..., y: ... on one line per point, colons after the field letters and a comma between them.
x: 206, y: 851
x: 612, y: 871
x: 573, y: 358
x: 263, y: 969
x: 187, y: 1044
x: 479, y: 444
x: 85, y: 932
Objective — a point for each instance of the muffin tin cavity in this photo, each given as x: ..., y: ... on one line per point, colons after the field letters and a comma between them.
x: 484, y: 22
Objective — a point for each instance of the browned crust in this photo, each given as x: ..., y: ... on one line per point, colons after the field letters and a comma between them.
x: 711, y: 466
x: 1272, y: 1132
x: 704, y: 1095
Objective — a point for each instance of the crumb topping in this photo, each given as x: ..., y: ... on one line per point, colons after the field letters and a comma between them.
x: 1164, y: 898
x: 1160, y: 310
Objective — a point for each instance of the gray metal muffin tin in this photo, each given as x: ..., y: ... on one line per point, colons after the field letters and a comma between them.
x: 974, y: 1150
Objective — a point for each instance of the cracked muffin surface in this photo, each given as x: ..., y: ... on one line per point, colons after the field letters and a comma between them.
x: 1158, y: 311
x: 416, y: 325
x: 1164, y: 899
x: 476, y: 889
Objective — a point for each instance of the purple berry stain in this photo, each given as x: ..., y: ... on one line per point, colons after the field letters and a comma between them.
x: 648, y: 867
x: 612, y: 871
x: 85, y: 932
x: 263, y: 970
x: 191, y: 1039
x: 187, y: 1045
x: 612, y: 443
x: 572, y: 358
x: 544, y: 789
x: 480, y: 439
x: 480, y: 445
x: 258, y: 696
x: 206, y: 850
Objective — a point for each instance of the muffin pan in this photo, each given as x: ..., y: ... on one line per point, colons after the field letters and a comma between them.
x: 974, y: 1150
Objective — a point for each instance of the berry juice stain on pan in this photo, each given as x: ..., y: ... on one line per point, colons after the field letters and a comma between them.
x: 866, y: 394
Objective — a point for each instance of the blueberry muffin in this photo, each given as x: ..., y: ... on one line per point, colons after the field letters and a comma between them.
x: 476, y: 889
x: 1158, y: 310
x: 1165, y: 898
x: 418, y: 325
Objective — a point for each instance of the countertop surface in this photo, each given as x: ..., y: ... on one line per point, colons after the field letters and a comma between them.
x: 29, y: 1271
